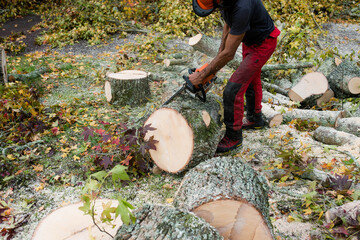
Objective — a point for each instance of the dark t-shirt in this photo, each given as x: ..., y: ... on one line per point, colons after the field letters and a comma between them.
x: 249, y: 16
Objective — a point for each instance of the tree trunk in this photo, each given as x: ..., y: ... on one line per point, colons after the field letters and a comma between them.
x: 345, y: 80
x: 229, y: 195
x: 129, y: 87
x: 318, y: 100
x: 188, y: 132
x: 312, y: 84
x: 349, y: 125
x: 328, y: 66
x: 332, y: 136
x: 166, y: 223
x: 3, y: 68
x: 323, y: 118
x: 272, y: 117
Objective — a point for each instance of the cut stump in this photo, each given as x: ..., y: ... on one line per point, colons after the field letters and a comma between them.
x: 188, y: 132
x: 155, y: 222
x: 68, y: 222
x: 229, y: 195
x: 128, y: 87
x: 3, y: 68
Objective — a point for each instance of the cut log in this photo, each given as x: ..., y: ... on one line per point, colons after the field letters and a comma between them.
x: 345, y: 80
x: 3, y: 68
x: 318, y: 100
x: 171, y: 62
x: 229, y: 195
x: 69, y: 222
x: 349, y: 125
x: 167, y: 223
x: 188, y: 132
x: 128, y: 87
x: 348, y: 213
x: 332, y: 136
x: 328, y: 66
x: 210, y: 47
x: 271, y: 116
x: 323, y: 118
x: 276, y: 88
x: 277, y: 99
x: 314, y: 83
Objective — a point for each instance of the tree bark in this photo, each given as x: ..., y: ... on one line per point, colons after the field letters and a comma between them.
x: 171, y: 62
x: 276, y: 99
x: 345, y: 80
x: 188, y: 132
x: 276, y: 88
x: 155, y: 222
x: 323, y: 118
x: 129, y: 87
x: 328, y: 66
x: 347, y: 213
x: 229, y: 195
x: 3, y: 68
x: 332, y: 136
x: 349, y: 125
x: 318, y: 100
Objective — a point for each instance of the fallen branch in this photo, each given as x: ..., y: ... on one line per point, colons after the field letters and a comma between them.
x: 269, y: 86
x: 28, y: 76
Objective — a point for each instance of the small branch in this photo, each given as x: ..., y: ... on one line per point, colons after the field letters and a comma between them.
x: 93, y: 219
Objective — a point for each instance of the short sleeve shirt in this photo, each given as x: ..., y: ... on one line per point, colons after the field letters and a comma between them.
x: 250, y: 17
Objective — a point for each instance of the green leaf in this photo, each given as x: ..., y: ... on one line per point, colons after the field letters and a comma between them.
x: 349, y: 162
x: 123, y: 211
x: 86, y: 208
x: 118, y: 172
x: 99, y: 175
x: 92, y: 185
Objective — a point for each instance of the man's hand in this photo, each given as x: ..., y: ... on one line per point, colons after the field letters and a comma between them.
x: 196, y: 78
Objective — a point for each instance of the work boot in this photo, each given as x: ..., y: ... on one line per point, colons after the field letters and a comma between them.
x: 231, y: 140
x: 254, y: 121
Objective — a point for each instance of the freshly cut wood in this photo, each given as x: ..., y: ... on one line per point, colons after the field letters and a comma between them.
x: 163, y: 222
x: 332, y: 136
x: 229, y: 195
x: 348, y: 213
x: 272, y: 117
x: 68, y: 222
x: 3, y: 68
x: 323, y: 118
x: 128, y: 87
x: 210, y: 47
x: 188, y: 132
x: 349, y: 125
x: 345, y: 79
x: 314, y: 83
x: 319, y: 100
x: 171, y: 62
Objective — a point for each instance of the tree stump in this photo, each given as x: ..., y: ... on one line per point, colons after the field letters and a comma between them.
x: 166, y: 223
x: 188, y: 132
x: 345, y: 79
x: 68, y: 222
x: 3, y: 68
x: 128, y: 87
x: 349, y: 125
x: 311, y: 87
x: 229, y: 195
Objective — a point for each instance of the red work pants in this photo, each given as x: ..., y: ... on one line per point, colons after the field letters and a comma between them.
x: 246, y: 79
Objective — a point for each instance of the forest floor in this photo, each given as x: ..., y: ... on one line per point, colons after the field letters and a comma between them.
x: 60, y: 179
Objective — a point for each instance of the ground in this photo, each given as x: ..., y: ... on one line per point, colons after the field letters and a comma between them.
x: 257, y: 149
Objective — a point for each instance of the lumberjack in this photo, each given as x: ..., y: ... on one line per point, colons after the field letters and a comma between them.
x: 247, y: 22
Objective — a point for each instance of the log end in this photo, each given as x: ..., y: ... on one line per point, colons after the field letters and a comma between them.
x: 354, y: 85
x: 108, y: 93
x: 276, y: 120
x: 194, y: 40
x: 311, y: 84
x: 175, y: 140
x: 234, y: 220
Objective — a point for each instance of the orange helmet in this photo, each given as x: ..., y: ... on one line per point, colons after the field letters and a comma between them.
x: 203, y: 8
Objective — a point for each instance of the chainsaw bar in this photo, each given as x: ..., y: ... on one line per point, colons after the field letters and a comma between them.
x: 178, y: 92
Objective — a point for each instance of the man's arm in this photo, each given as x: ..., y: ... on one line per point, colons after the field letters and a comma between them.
x: 231, y: 44
x: 225, y: 33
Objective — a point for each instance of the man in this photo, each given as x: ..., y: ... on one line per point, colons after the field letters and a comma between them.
x: 246, y: 21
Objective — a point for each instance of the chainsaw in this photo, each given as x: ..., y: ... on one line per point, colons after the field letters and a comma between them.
x: 198, y: 91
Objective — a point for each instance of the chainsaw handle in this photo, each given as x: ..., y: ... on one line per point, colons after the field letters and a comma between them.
x: 189, y: 85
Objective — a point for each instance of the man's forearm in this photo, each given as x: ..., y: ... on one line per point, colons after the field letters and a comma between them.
x: 225, y: 33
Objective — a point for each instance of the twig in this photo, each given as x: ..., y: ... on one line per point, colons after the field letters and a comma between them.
x: 93, y: 218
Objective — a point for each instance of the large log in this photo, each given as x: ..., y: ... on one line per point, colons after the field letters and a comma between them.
x: 155, y: 222
x: 229, y: 195
x: 272, y: 117
x: 345, y: 80
x: 329, y: 65
x: 323, y: 118
x: 313, y: 87
x: 332, y: 136
x: 349, y: 125
x: 188, y: 132
x: 3, y: 68
x: 210, y: 47
x: 128, y: 87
